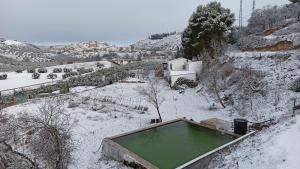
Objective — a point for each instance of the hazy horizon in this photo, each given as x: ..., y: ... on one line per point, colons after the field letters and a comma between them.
x: 112, y: 21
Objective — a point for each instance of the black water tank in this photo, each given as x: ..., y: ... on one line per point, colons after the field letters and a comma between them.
x: 240, y: 126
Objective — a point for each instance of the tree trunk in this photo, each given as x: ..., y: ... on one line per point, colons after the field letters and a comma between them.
x: 34, y: 165
x: 157, y: 108
x: 217, y: 92
x: 220, y: 99
x: 55, y: 134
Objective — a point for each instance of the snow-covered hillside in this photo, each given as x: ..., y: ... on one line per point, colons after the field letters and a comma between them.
x: 169, y: 43
x: 13, y: 42
x: 290, y: 33
x: 22, y: 51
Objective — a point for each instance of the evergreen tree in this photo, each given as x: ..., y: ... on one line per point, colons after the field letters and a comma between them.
x: 206, y: 26
x: 295, y: 1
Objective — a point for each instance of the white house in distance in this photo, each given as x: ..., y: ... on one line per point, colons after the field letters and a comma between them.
x: 182, y: 68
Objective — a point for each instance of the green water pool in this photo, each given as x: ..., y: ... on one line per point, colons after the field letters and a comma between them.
x: 174, y: 144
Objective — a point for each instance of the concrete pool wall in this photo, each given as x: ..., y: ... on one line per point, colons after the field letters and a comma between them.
x: 115, y: 151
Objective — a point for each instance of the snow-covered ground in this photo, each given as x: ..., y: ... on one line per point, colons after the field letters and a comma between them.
x: 16, y: 80
x: 275, y: 148
x: 97, y: 118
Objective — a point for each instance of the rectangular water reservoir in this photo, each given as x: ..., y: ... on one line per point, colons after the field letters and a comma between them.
x: 167, y: 146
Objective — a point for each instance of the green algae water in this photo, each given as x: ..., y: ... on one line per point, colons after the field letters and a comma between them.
x: 174, y: 144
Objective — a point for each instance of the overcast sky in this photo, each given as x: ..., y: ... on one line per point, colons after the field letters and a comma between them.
x: 115, y: 21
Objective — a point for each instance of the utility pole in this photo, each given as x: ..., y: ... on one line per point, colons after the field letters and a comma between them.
x: 241, y: 16
x: 253, y: 6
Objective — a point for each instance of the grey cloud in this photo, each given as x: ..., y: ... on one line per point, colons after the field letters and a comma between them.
x: 106, y: 20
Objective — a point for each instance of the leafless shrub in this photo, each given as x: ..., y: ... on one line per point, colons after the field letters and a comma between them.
x: 51, y: 144
x: 295, y: 85
x: 250, y: 86
x: 73, y: 104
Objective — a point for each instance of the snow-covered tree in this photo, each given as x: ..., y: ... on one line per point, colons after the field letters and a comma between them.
x: 208, y: 24
x: 296, y: 10
x: 272, y: 17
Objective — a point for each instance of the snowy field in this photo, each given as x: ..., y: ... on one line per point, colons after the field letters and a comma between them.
x: 16, y: 80
x: 96, y: 120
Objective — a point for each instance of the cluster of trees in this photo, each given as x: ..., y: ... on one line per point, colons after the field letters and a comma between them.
x: 161, y: 35
x: 272, y: 17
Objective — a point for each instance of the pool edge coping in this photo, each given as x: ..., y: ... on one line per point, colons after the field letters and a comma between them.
x: 133, y: 155
x: 169, y: 122
x: 215, y: 150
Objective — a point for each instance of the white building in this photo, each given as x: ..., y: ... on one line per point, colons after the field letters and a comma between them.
x: 182, y: 68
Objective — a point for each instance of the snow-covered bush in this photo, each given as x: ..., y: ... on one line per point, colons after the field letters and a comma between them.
x: 182, y: 83
x: 51, y: 76
x: 65, y: 88
x: 84, y: 70
x: 90, y: 70
x: 69, y: 74
x: 142, y: 108
x: 100, y: 65
x: 42, y: 70
x: 295, y: 85
x: 3, y: 76
x: 57, y: 70
x: 64, y: 76
x: 31, y: 70
x: 36, y: 75
x: 19, y: 71
x: 67, y: 70
x: 72, y: 104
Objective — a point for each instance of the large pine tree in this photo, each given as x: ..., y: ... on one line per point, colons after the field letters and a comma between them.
x: 207, y: 26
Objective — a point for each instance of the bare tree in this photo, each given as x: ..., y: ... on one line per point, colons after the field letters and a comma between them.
x: 214, y: 76
x: 215, y: 86
x: 51, y: 141
x: 153, y: 95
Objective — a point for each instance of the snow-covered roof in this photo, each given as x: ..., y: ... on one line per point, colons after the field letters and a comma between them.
x: 181, y: 58
x: 176, y: 73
